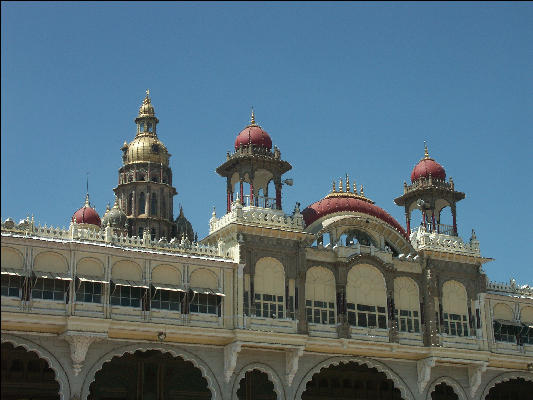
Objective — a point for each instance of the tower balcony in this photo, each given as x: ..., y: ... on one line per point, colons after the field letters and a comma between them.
x: 443, y: 239
x: 262, y: 213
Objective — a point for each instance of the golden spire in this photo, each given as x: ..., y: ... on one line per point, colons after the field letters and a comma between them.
x: 252, y: 117
x: 355, y: 187
x: 362, y: 191
x: 426, y: 153
x: 347, y: 183
x: 333, y: 189
x: 340, y: 185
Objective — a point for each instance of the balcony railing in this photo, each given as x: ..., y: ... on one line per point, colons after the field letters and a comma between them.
x: 441, y: 228
x: 259, y: 201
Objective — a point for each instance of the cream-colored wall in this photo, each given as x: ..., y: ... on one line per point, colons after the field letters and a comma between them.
x: 526, y: 315
x: 320, y: 284
x: 49, y: 261
x: 127, y: 270
x: 366, y: 285
x: 90, y: 267
x: 503, y: 311
x: 12, y: 258
x: 454, y: 298
x: 203, y: 278
x: 406, y: 294
x: 269, y: 277
x: 166, y: 274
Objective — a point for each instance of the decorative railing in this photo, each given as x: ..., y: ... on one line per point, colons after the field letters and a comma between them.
x: 424, y: 240
x: 441, y: 228
x: 511, y: 288
x: 259, y: 201
x: 76, y: 233
x: 431, y: 182
x: 257, y: 216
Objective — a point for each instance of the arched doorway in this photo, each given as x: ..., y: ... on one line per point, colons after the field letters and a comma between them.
x: 510, y: 390
x: 443, y: 392
x: 26, y: 376
x: 350, y: 381
x: 149, y: 375
x: 256, y: 386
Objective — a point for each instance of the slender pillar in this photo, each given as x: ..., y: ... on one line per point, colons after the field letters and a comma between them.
x: 228, y: 201
x: 433, y: 220
x: 252, y: 193
x: 454, y: 215
x: 408, y: 224
x: 278, y: 196
x: 241, y: 194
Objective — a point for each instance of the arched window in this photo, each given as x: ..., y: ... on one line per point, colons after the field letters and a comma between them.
x: 320, y: 296
x: 130, y: 204
x: 366, y: 297
x: 142, y: 203
x: 406, y: 299
x: 140, y: 177
x: 356, y: 236
x: 152, y: 233
x: 455, y: 309
x: 269, y: 284
x: 153, y: 204
x: 505, y: 328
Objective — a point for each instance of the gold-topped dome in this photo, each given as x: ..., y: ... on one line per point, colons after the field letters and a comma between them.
x: 145, y: 148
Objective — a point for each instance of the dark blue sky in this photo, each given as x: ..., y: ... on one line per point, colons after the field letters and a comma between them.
x: 342, y: 87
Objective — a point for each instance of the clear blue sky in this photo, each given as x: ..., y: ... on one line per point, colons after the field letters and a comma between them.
x: 345, y: 87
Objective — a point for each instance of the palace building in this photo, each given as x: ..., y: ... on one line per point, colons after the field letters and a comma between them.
x: 336, y: 300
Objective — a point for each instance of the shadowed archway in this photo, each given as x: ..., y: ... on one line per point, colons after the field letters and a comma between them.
x: 510, y: 390
x: 256, y: 386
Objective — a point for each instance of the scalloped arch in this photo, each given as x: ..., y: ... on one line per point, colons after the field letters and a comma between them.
x: 272, y: 375
x: 212, y: 383
x: 506, y: 376
x: 60, y: 374
x: 457, y: 388
x: 370, y: 363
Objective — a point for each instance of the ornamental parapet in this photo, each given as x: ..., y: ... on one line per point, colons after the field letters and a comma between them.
x: 421, y: 239
x: 511, y: 289
x: 427, y: 183
x: 245, y: 151
x: 27, y: 228
x: 258, y: 216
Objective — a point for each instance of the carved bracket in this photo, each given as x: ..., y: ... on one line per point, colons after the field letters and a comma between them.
x: 292, y: 357
x: 474, y: 377
x: 79, y: 345
x: 230, y: 359
x: 423, y: 368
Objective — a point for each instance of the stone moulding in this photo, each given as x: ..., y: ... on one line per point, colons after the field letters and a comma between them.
x: 457, y: 388
x: 271, y: 373
x: 506, y: 376
x: 207, y: 373
x: 60, y: 374
x: 370, y: 363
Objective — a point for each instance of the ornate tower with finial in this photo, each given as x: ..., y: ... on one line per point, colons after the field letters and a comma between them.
x: 255, y: 164
x: 430, y: 193
x: 145, y: 192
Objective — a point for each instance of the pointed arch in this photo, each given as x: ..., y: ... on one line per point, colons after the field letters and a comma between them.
x: 506, y: 376
x: 370, y: 363
x: 60, y: 373
x: 456, y: 386
x: 271, y: 373
x: 207, y: 373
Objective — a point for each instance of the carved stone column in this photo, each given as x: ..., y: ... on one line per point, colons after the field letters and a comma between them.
x: 79, y: 345
x: 302, y: 316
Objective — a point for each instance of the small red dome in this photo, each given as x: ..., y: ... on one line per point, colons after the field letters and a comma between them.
x: 426, y: 167
x: 330, y: 205
x: 87, y: 215
x: 253, y: 134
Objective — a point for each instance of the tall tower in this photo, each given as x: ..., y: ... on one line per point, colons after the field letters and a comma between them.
x: 430, y: 193
x: 144, y: 188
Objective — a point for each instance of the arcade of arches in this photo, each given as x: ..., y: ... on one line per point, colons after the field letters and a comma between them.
x: 443, y: 392
x: 26, y: 376
x: 256, y: 386
x: 149, y: 375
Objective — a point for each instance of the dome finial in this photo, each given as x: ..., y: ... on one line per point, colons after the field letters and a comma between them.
x: 426, y: 153
x: 252, y: 117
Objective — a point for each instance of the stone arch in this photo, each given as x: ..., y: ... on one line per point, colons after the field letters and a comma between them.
x: 50, y: 261
x: 406, y: 293
x: 164, y: 273
x: 128, y: 270
x: 457, y: 388
x: 506, y: 376
x: 370, y: 363
x: 12, y: 258
x: 366, y: 282
x: 90, y: 266
x: 321, y: 280
x: 207, y: 373
x: 526, y: 314
x: 503, y: 311
x: 269, y: 276
x: 60, y: 373
x: 454, y: 298
x: 204, y: 278
x: 272, y: 375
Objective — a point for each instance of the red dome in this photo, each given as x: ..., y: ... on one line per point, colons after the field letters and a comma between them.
x: 425, y: 167
x: 253, y: 134
x: 86, y: 215
x: 330, y: 205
